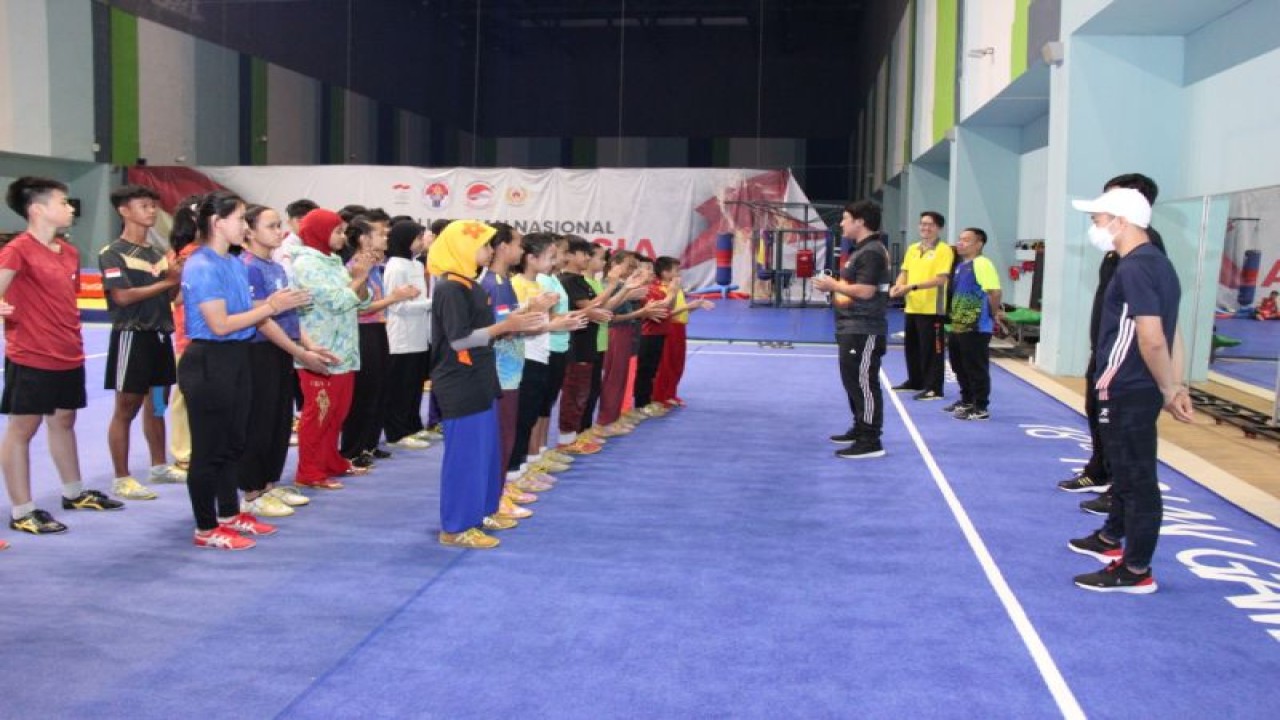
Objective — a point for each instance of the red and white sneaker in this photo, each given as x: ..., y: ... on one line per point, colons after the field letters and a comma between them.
x: 223, y: 538
x: 249, y: 525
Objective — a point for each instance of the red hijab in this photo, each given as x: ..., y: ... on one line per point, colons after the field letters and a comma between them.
x: 316, y: 228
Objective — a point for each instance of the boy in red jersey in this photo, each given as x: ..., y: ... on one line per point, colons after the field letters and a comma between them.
x: 44, y: 354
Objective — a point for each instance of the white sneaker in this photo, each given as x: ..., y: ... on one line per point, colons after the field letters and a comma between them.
x: 429, y: 435
x: 169, y: 474
x: 411, y: 442
x: 266, y: 505
x: 129, y: 488
x: 289, y: 496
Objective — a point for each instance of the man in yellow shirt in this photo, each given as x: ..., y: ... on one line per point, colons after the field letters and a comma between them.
x: 923, y: 281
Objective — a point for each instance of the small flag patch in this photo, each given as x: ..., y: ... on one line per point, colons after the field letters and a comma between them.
x: 111, y: 273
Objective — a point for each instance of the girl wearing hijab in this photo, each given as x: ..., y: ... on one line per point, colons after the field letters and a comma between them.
x: 464, y: 378
x: 330, y: 322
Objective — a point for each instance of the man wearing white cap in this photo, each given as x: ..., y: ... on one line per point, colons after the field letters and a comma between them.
x: 1137, y: 376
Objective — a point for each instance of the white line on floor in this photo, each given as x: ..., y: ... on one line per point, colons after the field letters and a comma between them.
x: 778, y: 354
x: 1039, y: 653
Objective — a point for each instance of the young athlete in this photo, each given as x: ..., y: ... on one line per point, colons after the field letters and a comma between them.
x: 408, y: 338
x: 653, y: 335
x: 214, y: 373
x: 139, y: 286
x: 465, y: 380
x: 666, y: 383
x: 44, y: 353
x: 183, y: 241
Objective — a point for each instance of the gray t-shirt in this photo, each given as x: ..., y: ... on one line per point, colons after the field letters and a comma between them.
x: 867, y: 265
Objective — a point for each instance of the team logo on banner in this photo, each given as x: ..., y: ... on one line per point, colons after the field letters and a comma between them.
x: 479, y: 195
x: 436, y: 195
x: 401, y: 193
x: 517, y: 195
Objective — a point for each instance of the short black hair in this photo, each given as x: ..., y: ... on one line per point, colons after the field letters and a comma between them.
x: 935, y: 216
x: 644, y: 259
x: 505, y: 234
x: 979, y: 232
x: 28, y: 190
x: 665, y: 263
x: 438, y: 226
x: 125, y: 193
x: 298, y: 209
x: 1135, y: 181
x: 867, y: 211
x: 377, y: 215
x: 400, y: 239
x: 349, y: 211
x: 580, y: 245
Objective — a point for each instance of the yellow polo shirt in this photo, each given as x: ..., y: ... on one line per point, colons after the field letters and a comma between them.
x: 921, y: 266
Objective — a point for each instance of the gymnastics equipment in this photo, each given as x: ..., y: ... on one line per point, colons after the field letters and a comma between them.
x: 724, y: 268
x: 781, y: 267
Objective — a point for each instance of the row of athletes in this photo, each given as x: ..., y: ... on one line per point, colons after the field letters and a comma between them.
x: 242, y: 327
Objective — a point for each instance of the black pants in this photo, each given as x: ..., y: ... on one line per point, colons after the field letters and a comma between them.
x: 404, y: 394
x: 860, y: 373
x: 971, y: 361
x: 270, y: 417
x: 924, y: 343
x: 363, y: 427
x: 593, y: 397
x: 1128, y: 427
x: 648, y: 358
x: 556, y: 364
x: 1096, y: 468
x: 533, y: 389
x: 217, y: 383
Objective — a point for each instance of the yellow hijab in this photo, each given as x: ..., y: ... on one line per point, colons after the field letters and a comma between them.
x: 454, y: 249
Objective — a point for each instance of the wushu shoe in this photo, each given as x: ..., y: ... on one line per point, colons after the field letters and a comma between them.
x: 289, y: 496
x: 471, y: 539
x: 37, y: 522
x: 221, y: 538
x: 1119, y: 579
x: 266, y: 505
x: 248, y: 525
x: 92, y: 500
x: 129, y: 488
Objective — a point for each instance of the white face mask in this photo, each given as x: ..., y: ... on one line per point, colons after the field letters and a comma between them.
x: 1102, y: 238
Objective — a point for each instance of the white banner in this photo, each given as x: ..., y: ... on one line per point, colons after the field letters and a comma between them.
x: 675, y: 212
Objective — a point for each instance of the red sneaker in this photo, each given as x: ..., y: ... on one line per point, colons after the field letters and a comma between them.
x: 4, y: 545
x: 223, y: 538
x: 249, y: 525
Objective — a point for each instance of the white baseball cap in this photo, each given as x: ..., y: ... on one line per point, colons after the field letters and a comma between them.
x: 1120, y: 202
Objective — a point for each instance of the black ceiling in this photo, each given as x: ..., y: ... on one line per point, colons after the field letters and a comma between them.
x: 564, y: 68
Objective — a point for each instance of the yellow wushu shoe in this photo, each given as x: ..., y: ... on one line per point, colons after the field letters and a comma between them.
x: 471, y: 538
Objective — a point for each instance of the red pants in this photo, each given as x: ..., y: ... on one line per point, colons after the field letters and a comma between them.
x: 671, y: 368
x: 617, y: 367
x: 327, y: 399
x: 573, y: 395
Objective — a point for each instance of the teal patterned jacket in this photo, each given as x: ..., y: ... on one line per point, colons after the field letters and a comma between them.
x: 330, y: 320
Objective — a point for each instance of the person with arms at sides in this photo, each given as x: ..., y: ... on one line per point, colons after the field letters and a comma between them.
x: 1095, y: 477
x: 926, y: 268
x: 408, y: 337
x: 183, y: 241
x: 139, y: 285
x: 1141, y: 375
x: 861, y: 299
x: 361, y: 431
x: 465, y: 378
x: 337, y: 295
x: 271, y: 354
x: 975, y: 309
x: 215, y: 374
x: 43, y: 353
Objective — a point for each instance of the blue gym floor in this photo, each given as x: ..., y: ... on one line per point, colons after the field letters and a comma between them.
x: 719, y: 562
x: 1254, y: 360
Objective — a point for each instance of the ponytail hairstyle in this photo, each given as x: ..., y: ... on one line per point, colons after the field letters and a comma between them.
x: 184, y: 230
x: 533, y: 244
x: 217, y: 204
x: 358, y: 225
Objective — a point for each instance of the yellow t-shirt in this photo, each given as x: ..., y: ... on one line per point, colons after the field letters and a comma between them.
x: 680, y: 317
x: 921, y: 267
x: 525, y: 289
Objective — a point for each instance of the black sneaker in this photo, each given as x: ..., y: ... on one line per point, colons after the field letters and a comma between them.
x: 1084, y: 483
x: 858, y: 451
x: 926, y: 395
x: 844, y: 438
x: 1100, y: 505
x: 957, y: 405
x: 903, y: 387
x: 91, y: 500
x: 379, y: 454
x: 38, y: 522
x: 1095, y: 547
x: 1118, y: 578
x: 972, y: 413
x: 363, y: 460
